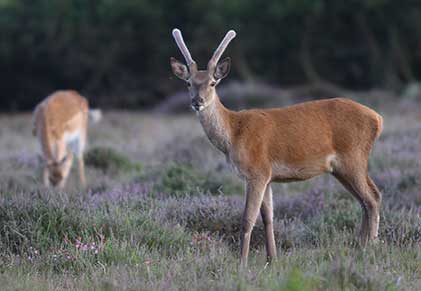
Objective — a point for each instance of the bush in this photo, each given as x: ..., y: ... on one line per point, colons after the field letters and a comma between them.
x: 109, y: 160
x: 182, y: 179
x: 179, y: 179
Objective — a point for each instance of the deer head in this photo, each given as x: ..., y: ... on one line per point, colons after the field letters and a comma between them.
x: 201, y: 83
x: 59, y: 170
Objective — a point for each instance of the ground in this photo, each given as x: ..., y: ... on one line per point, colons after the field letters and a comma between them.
x: 163, y: 210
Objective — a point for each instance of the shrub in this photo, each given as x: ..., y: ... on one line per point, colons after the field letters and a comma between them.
x: 182, y: 179
x: 296, y: 281
x: 216, y: 184
x: 109, y: 160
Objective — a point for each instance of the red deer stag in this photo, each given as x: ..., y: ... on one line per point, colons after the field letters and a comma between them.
x: 294, y: 143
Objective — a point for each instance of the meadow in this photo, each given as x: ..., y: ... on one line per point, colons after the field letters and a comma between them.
x: 163, y: 209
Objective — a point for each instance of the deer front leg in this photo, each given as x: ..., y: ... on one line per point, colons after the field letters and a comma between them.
x: 267, y: 216
x: 82, y: 177
x: 66, y: 171
x: 46, y: 176
x: 255, y: 190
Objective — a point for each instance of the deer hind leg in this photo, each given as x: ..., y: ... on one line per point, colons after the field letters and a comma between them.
x: 356, y: 180
x: 46, y: 176
x: 79, y: 149
x: 266, y: 211
x: 255, y: 191
x: 378, y: 198
x: 81, y: 161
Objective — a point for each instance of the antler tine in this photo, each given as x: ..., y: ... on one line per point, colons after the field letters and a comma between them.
x: 221, y: 48
x: 176, y: 33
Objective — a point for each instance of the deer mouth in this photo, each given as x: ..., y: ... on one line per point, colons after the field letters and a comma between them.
x: 55, y: 180
x: 197, y: 107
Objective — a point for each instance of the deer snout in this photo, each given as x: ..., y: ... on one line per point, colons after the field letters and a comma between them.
x: 55, y: 179
x: 197, y: 103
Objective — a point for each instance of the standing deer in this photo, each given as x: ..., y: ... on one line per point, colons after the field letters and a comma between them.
x: 60, y: 122
x: 294, y: 143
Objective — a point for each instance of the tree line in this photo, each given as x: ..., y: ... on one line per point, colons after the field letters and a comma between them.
x: 116, y: 52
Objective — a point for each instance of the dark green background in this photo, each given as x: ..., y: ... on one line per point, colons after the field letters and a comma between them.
x: 117, y: 52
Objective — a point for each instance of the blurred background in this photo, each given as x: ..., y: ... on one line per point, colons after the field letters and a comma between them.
x: 116, y: 52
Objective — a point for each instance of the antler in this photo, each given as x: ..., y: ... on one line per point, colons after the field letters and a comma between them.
x: 176, y: 33
x: 221, y: 48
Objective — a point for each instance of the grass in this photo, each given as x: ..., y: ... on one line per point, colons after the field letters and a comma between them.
x: 175, y: 223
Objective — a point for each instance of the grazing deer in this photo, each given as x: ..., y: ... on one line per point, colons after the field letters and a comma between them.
x: 294, y: 143
x: 60, y: 122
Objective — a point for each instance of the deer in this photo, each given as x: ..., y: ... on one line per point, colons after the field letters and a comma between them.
x: 295, y: 143
x: 60, y: 122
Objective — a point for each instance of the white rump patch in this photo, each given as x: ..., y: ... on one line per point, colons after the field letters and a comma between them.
x: 72, y: 140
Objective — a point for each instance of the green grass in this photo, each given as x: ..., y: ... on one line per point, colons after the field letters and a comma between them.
x: 175, y: 224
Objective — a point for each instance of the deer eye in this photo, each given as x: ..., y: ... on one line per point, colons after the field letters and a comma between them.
x: 213, y: 84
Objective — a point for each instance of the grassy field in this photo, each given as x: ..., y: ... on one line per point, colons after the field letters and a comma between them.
x: 163, y: 211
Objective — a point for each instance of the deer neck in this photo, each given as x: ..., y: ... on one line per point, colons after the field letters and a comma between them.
x: 215, y: 120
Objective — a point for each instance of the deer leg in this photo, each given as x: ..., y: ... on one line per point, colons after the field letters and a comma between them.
x: 266, y: 211
x: 81, y: 164
x: 46, y: 176
x: 357, y: 183
x: 66, y: 171
x: 371, y: 208
x: 81, y: 161
x: 374, y: 231
x: 254, y: 191
x: 364, y: 219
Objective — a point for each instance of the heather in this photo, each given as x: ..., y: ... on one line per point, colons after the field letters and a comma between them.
x: 162, y: 210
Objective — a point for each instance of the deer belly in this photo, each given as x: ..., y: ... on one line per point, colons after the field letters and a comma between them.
x: 282, y: 172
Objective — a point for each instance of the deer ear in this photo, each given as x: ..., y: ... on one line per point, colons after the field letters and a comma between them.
x: 179, y: 69
x: 222, y: 69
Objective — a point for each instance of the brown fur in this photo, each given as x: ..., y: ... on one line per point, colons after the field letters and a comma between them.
x: 56, y: 119
x: 301, y: 136
x: 288, y: 144
x: 297, y: 143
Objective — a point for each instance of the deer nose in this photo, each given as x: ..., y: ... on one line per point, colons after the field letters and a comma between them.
x: 197, y: 101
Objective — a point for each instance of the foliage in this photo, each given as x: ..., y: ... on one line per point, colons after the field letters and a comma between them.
x: 123, y: 234
x: 107, y: 48
x: 109, y: 160
x: 179, y: 179
x: 182, y: 179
